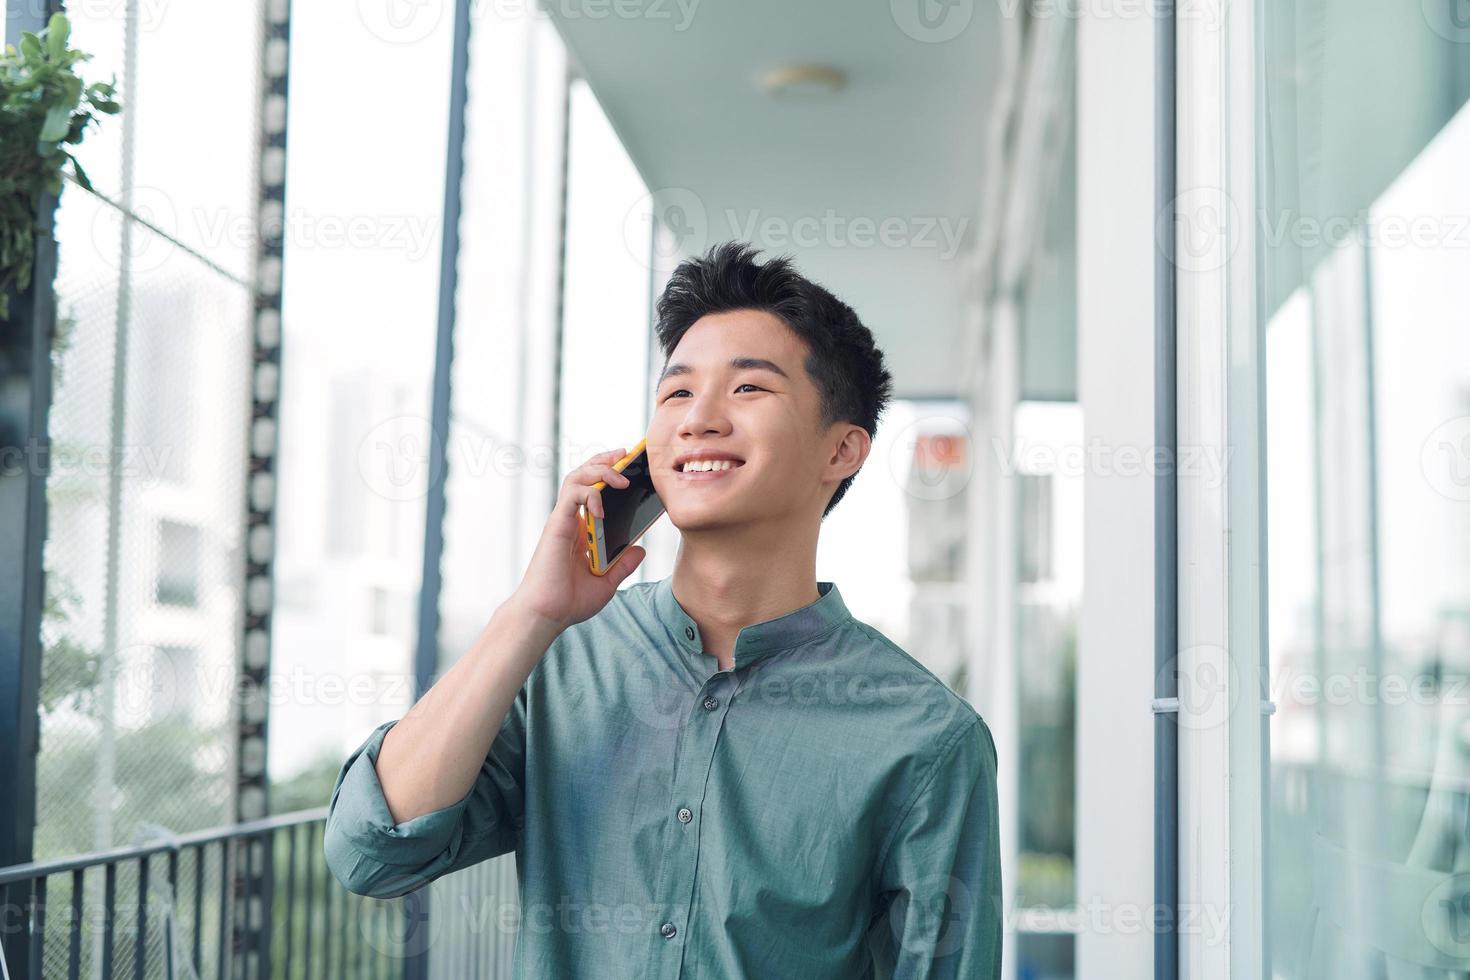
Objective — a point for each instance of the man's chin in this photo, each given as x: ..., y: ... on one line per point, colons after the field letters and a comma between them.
x: 692, y: 520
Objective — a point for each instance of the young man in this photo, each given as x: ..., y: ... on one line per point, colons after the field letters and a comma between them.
x: 723, y: 773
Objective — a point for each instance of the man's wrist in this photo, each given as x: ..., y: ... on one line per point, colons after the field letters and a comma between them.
x: 528, y: 627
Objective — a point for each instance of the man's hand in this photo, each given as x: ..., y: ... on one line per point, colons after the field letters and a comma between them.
x: 558, y: 586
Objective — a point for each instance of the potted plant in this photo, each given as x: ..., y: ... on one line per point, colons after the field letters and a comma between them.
x: 45, y: 108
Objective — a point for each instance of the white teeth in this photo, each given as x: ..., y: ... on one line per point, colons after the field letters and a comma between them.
x: 705, y: 465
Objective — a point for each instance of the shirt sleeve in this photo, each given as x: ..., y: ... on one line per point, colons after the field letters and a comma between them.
x: 939, y: 887
x: 371, y: 855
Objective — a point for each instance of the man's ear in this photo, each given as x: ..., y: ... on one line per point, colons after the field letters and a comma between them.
x: 849, y: 452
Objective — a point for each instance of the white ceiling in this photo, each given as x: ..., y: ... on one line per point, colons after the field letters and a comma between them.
x: 903, y: 143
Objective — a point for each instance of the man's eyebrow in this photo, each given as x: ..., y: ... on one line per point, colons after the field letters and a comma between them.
x: 738, y: 363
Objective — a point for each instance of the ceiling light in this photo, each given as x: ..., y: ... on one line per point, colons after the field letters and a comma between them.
x: 803, y: 81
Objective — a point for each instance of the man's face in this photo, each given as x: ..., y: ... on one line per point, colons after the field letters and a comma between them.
x: 763, y: 418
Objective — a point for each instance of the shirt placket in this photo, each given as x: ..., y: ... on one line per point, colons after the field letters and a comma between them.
x: 693, y: 759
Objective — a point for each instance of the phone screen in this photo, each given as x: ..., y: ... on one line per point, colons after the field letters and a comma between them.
x: 628, y: 511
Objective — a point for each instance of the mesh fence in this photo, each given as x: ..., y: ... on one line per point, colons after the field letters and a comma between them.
x: 160, y: 916
x: 142, y: 596
x: 158, y: 928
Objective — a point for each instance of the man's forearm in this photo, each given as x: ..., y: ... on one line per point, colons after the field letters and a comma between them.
x: 431, y: 757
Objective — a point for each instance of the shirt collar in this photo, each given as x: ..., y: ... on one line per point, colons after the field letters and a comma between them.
x: 758, y: 639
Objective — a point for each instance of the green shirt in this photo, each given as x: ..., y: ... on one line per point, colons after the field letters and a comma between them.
x: 824, y: 809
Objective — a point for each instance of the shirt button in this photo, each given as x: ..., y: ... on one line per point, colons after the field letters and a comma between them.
x: 667, y: 930
x: 689, y: 632
x: 711, y: 704
x: 685, y: 814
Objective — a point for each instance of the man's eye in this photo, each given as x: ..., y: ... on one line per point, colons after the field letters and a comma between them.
x: 745, y: 384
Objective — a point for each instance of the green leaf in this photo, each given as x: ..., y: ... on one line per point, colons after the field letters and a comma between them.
x: 44, y: 106
x: 81, y: 174
x: 58, y: 121
x: 58, y: 29
x: 71, y: 89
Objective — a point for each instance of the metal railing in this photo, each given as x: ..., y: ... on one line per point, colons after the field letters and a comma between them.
x: 167, y: 909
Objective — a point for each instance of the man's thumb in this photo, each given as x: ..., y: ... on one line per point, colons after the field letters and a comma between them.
x: 627, y: 564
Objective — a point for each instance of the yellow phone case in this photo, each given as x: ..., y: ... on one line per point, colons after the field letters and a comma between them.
x: 594, y: 559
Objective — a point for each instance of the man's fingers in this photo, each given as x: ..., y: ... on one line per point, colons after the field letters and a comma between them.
x: 626, y: 564
x: 588, y: 497
x: 612, y: 477
x: 596, y: 468
x: 592, y: 472
x: 577, y: 490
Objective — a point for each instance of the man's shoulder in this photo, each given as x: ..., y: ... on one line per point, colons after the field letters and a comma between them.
x: 932, y: 735
x: 900, y: 675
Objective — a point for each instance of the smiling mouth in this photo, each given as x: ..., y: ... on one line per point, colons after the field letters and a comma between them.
x: 709, y: 470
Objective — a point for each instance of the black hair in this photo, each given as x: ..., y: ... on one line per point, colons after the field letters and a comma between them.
x: 842, y: 359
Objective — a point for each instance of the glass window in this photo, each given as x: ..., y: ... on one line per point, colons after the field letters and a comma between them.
x: 1364, y: 146
x: 500, y: 466
x: 364, y: 204
x: 148, y: 425
x: 177, y: 583
x: 606, y: 316
x: 1048, y: 596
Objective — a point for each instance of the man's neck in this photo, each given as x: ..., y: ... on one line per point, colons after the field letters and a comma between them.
x: 725, y: 589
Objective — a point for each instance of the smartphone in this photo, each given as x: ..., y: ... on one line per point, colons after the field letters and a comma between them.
x: 628, y: 511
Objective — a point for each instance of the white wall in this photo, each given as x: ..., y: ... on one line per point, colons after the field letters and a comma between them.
x: 1115, y: 672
